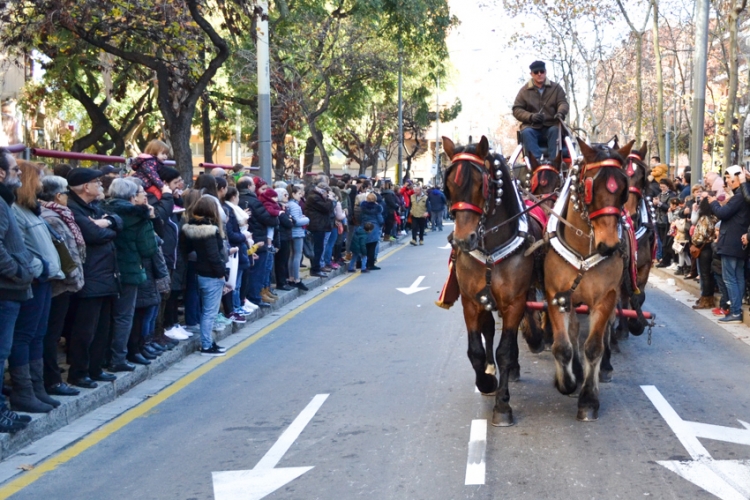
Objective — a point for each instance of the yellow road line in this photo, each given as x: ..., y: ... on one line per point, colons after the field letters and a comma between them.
x: 108, y: 429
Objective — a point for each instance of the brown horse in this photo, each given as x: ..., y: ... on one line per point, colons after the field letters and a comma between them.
x: 585, y: 267
x: 491, y: 269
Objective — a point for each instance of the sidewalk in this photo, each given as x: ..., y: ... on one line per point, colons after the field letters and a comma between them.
x: 693, y: 287
x: 72, y: 408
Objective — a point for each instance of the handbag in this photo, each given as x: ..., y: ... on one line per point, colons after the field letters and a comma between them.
x: 695, y: 251
x: 233, y: 265
x: 67, y: 264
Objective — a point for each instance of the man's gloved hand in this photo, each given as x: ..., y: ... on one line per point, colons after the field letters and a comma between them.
x: 537, y: 118
x: 560, y: 116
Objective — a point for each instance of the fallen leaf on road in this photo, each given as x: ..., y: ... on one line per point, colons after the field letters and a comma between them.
x: 26, y: 467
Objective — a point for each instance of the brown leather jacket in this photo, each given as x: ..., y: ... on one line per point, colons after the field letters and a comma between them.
x: 529, y: 102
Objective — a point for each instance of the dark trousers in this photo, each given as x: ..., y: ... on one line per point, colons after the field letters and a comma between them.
x: 227, y: 302
x: 90, y: 335
x: 134, y: 340
x: 418, y: 225
x: 57, y: 312
x: 371, y: 247
x: 281, y: 263
x: 31, y: 326
x: 667, y: 254
x: 245, y: 287
x: 9, y: 310
x: 319, y: 238
x: 122, y: 321
x: 192, y: 297
x: 704, y: 270
x: 171, y: 316
x: 390, y: 220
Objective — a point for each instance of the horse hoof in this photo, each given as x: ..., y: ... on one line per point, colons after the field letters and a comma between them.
x: 636, y: 327
x: 538, y: 349
x: 605, y: 377
x: 547, y: 347
x: 502, y: 419
x: 493, y: 394
x: 514, y: 375
x: 587, y: 415
x: 614, y: 347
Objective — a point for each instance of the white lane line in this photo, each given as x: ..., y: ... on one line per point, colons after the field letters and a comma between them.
x: 679, y: 427
x: 272, y: 457
x: 475, y: 466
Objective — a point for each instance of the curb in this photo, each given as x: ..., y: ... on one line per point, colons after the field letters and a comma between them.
x: 72, y: 408
x: 694, y: 288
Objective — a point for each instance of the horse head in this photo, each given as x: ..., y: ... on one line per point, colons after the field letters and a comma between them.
x: 467, y: 186
x: 602, y: 187
x: 545, y: 178
x: 637, y: 172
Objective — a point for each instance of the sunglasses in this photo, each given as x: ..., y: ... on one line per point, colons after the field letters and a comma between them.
x: 539, y: 72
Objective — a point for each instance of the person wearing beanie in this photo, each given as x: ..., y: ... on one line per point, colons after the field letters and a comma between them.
x: 540, y: 106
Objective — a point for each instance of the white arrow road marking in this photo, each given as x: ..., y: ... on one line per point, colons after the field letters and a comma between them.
x: 414, y: 288
x: 263, y: 479
x: 446, y: 247
x: 727, y: 479
x: 475, y: 466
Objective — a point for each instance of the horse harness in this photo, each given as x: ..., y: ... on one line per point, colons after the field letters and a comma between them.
x: 575, y: 187
x: 490, y: 258
x: 645, y: 213
x: 482, y: 254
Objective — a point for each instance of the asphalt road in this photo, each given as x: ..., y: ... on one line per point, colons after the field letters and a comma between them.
x: 398, y: 417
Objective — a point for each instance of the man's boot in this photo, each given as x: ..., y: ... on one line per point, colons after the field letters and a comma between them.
x: 266, y: 296
x: 23, y: 398
x: 680, y: 271
x: 36, y: 371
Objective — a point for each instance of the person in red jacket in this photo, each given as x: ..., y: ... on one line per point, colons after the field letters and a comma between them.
x: 406, y: 191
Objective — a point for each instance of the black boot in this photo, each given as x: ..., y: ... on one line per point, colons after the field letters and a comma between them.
x: 36, y: 371
x: 23, y: 398
x: 680, y: 271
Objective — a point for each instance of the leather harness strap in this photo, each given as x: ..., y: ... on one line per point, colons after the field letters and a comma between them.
x: 462, y: 205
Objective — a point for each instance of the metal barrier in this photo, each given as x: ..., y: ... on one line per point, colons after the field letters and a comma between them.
x: 51, y: 153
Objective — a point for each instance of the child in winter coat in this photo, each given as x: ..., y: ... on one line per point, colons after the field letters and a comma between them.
x: 146, y: 166
x: 270, y: 200
x: 359, y: 246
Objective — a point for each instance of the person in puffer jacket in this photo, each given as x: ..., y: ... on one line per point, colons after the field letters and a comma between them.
x: 204, y: 235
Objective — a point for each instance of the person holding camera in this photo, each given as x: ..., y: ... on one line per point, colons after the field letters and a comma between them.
x: 539, y: 106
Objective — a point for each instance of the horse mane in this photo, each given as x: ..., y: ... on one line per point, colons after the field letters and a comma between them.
x: 463, y: 189
x: 509, y: 184
x: 604, y: 152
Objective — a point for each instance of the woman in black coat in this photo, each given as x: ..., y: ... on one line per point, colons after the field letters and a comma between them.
x: 283, y: 243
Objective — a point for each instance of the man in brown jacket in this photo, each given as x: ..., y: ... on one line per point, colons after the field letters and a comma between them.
x: 538, y: 106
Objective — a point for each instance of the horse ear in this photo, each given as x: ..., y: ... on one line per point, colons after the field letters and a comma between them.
x: 644, y: 150
x: 558, y: 160
x: 534, y: 162
x: 625, y: 151
x: 483, y: 147
x: 586, y: 150
x: 449, y: 147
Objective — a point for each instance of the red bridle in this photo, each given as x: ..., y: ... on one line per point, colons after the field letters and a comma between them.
x: 535, y: 179
x: 630, y: 171
x: 477, y: 162
x: 589, y: 185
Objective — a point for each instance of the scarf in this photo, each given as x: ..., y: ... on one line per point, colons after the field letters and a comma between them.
x: 242, y: 217
x: 67, y: 217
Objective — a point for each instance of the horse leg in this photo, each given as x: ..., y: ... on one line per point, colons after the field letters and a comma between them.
x: 588, y: 400
x: 549, y: 337
x: 562, y: 349
x: 574, y: 331
x: 533, y: 332
x: 621, y: 330
x: 507, y: 360
x: 638, y: 325
x: 473, y: 316
x: 605, y: 373
x: 487, y: 322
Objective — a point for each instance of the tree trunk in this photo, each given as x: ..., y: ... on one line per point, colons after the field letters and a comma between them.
x: 659, y: 85
x: 318, y: 137
x: 279, y: 159
x: 734, y: 16
x: 208, y: 153
x: 179, y: 132
x: 309, y: 157
x: 638, y: 88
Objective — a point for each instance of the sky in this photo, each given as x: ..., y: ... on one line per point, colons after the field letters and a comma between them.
x: 486, y: 74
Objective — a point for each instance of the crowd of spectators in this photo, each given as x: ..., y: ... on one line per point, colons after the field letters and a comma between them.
x: 703, y: 234
x: 123, y: 266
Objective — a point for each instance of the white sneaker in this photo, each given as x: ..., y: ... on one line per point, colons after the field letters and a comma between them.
x: 175, y: 333
x: 673, y: 267
x: 183, y: 330
x: 249, y: 306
